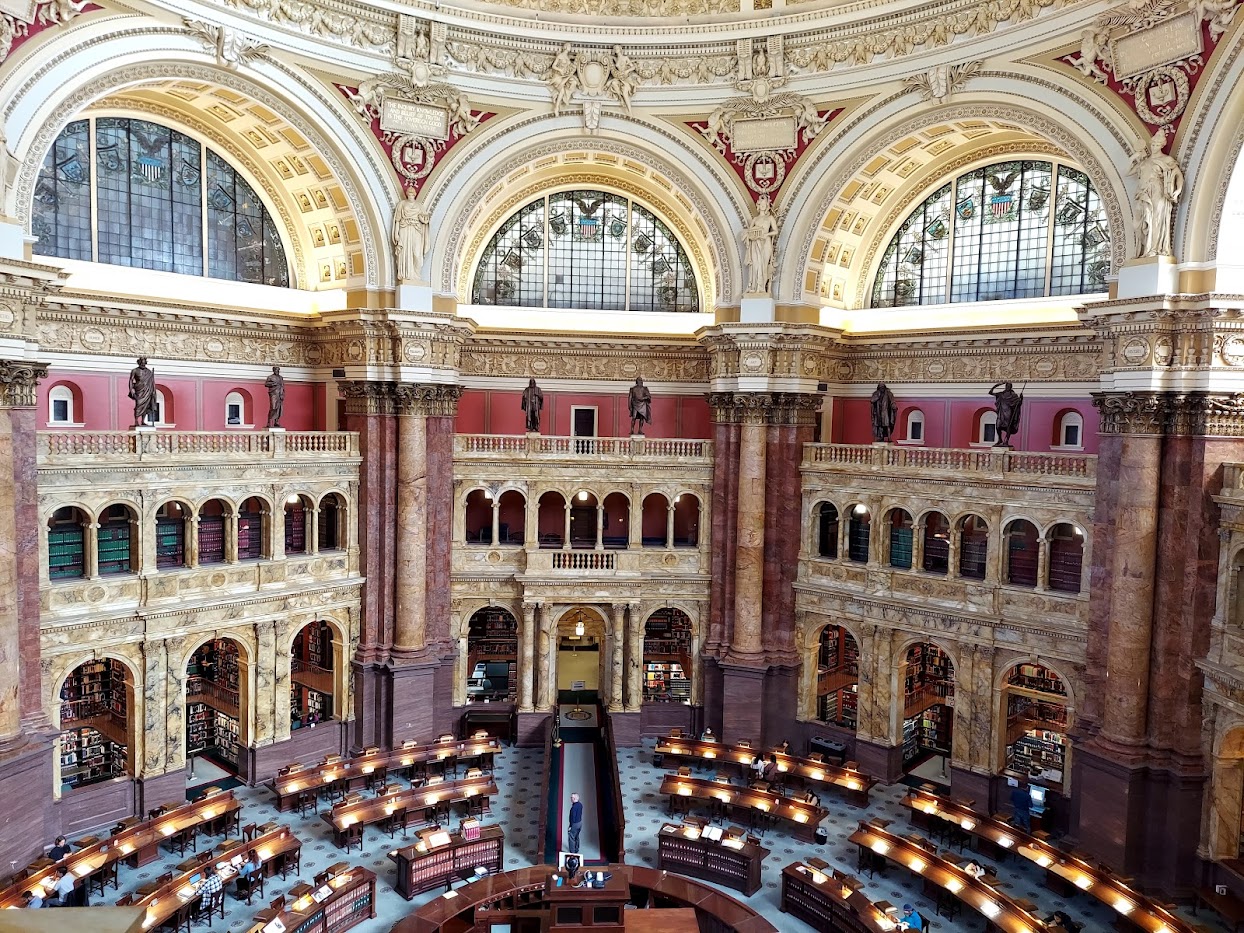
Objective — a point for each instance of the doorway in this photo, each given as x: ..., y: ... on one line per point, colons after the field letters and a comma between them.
x: 583, y: 421
x: 580, y: 654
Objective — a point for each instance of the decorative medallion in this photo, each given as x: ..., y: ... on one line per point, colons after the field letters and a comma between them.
x: 1233, y: 351
x: 1152, y: 53
x: 1136, y: 351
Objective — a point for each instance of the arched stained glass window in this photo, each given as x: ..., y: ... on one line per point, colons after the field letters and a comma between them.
x: 997, y: 233
x: 149, y: 202
x: 586, y: 249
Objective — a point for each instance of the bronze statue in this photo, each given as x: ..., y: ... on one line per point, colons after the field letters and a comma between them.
x: 143, y: 392
x: 884, y: 412
x: 1007, y: 403
x: 533, y: 403
x: 276, y: 396
x: 641, y: 406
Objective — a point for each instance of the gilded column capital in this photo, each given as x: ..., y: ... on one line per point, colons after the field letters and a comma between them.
x: 18, y: 381
x: 429, y: 400
x: 367, y: 398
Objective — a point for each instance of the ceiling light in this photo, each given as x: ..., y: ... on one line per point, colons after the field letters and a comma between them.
x: 583, y: 495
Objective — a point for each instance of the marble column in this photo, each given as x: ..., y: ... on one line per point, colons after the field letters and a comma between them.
x: 21, y: 700
x: 409, y: 566
x: 617, y: 664
x: 265, y: 700
x: 282, y: 678
x: 545, y: 662
x: 496, y: 521
x: 527, y: 671
x: 155, y: 724
x: 634, y: 662
x: 669, y: 527
x: 750, y: 536
x: 1134, y: 550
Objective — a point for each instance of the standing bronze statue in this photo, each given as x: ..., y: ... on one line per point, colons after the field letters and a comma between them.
x: 276, y: 397
x: 1007, y: 403
x: 884, y: 412
x: 640, y: 401
x: 533, y: 403
x: 143, y: 392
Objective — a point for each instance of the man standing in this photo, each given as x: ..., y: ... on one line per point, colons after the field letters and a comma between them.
x: 533, y: 402
x: 1021, y: 802
x: 576, y: 824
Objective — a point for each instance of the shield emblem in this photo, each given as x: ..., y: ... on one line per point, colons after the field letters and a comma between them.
x: 532, y: 239
x: 589, y: 228
x: 557, y: 223
x: 966, y: 208
x: 642, y: 244
x: 149, y: 168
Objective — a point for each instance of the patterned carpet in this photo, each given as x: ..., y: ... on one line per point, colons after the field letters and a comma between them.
x: 519, y: 773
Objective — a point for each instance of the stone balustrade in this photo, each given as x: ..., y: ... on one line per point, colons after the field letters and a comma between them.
x: 1016, y: 465
x: 544, y: 448
x: 73, y: 448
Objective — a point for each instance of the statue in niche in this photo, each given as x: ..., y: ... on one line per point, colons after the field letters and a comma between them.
x: 276, y: 397
x: 410, y: 237
x: 759, y: 239
x: 884, y: 413
x: 1007, y: 403
x: 640, y: 402
x: 143, y: 392
x: 1159, y: 183
x: 533, y: 403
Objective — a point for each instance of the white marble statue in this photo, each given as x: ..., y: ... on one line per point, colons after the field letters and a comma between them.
x: 759, y: 240
x: 563, y: 79
x: 1159, y: 183
x: 623, y: 77
x: 410, y: 237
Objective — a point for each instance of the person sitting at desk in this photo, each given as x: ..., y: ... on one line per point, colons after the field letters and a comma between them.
x: 210, y: 884
x: 770, y: 772
x: 31, y: 900
x: 910, y: 919
x: 708, y: 736
x: 1060, y: 919
x: 250, y: 866
x: 810, y: 797
x: 63, y: 889
x: 974, y: 870
x: 59, y: 849
x: 757, y: 767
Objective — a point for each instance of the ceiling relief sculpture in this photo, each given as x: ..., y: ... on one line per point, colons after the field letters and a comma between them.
x: 416, y: 124
x: 1152, y: 53
x: 38, y: 15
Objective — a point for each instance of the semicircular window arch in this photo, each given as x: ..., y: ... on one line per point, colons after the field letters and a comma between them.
x: 135, y: 193
x: 588, y: 250
x: 1016, y: 229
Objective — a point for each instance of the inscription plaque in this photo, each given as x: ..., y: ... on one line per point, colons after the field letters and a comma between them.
x: 410, y: 118
x: 762, y: 134
x: 1171, y: 40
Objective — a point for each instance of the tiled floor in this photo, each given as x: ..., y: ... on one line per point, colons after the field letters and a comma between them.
x: 519, y: 775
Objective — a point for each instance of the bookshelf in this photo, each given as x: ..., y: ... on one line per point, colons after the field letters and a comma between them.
x: 113, y: 542
x: 667, y: 657
x: 212, y: 712
x: 311, y: 684
x: 492, y: 656
x: 838, y: 664
x: 1036, y: 677
x: 93, y: 707
x: 928, y: 679
x: 1038, y: 753
x: 170, y: 537
x: 211, y: 539
x: 422, y: 867
x: 66, y: 545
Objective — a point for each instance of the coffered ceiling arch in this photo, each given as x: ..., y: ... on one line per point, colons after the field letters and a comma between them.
x: 484, y: 185
x: 313, y: 172
x: 857, y: 194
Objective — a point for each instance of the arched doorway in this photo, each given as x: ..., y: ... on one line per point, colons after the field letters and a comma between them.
x: 95, y: 740
x: 837, y: 677
x: 213, y: 705
x: 580, y: 655
x: 928, y: 681
x: 312, y: 682
x: 1037, y: 721
x: 1224, y: 803
x: 492, y: 656
x: 667, y: 657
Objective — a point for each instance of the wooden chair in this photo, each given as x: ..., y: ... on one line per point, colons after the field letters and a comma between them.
x: 180, y: 918
x: 249, y: 831
x: 102, y: 877
x: 307, y: 800
x: 214, y: 903
x: 204, y: 857
x: 393, y: 821
x: 378, y: 778
x: 272, y: 911
x: 352, y: 835
x: 187, y: 838
x: 247, y: 886
x: 126, y: 901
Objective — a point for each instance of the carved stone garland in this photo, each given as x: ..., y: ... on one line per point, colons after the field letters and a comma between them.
x: 1152, y: 53
x: 14, y: 30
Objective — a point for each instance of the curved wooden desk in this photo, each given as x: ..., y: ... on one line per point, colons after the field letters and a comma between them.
x: 496, y: 897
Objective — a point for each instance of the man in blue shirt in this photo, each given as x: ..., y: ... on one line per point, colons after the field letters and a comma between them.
x: 1021, y: 803
x: 911, y: 920
x: 576, y: 824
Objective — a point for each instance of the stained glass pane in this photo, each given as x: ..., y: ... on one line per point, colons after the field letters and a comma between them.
x: 999, y: 222
x: 149, y: 202
x: 586, y: 249
x: 61, y: 214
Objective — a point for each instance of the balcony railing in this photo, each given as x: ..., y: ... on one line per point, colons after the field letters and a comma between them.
x: 584, y: 560
x: 999, y: 462
x: 70, y: 448
x: 542, y: 447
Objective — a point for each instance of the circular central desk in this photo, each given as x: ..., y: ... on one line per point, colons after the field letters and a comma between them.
x: 527, y: 900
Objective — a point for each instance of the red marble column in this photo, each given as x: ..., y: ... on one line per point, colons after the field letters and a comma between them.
x: 721, y: 531
x: 369, y: 411
x: 749, y: 544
